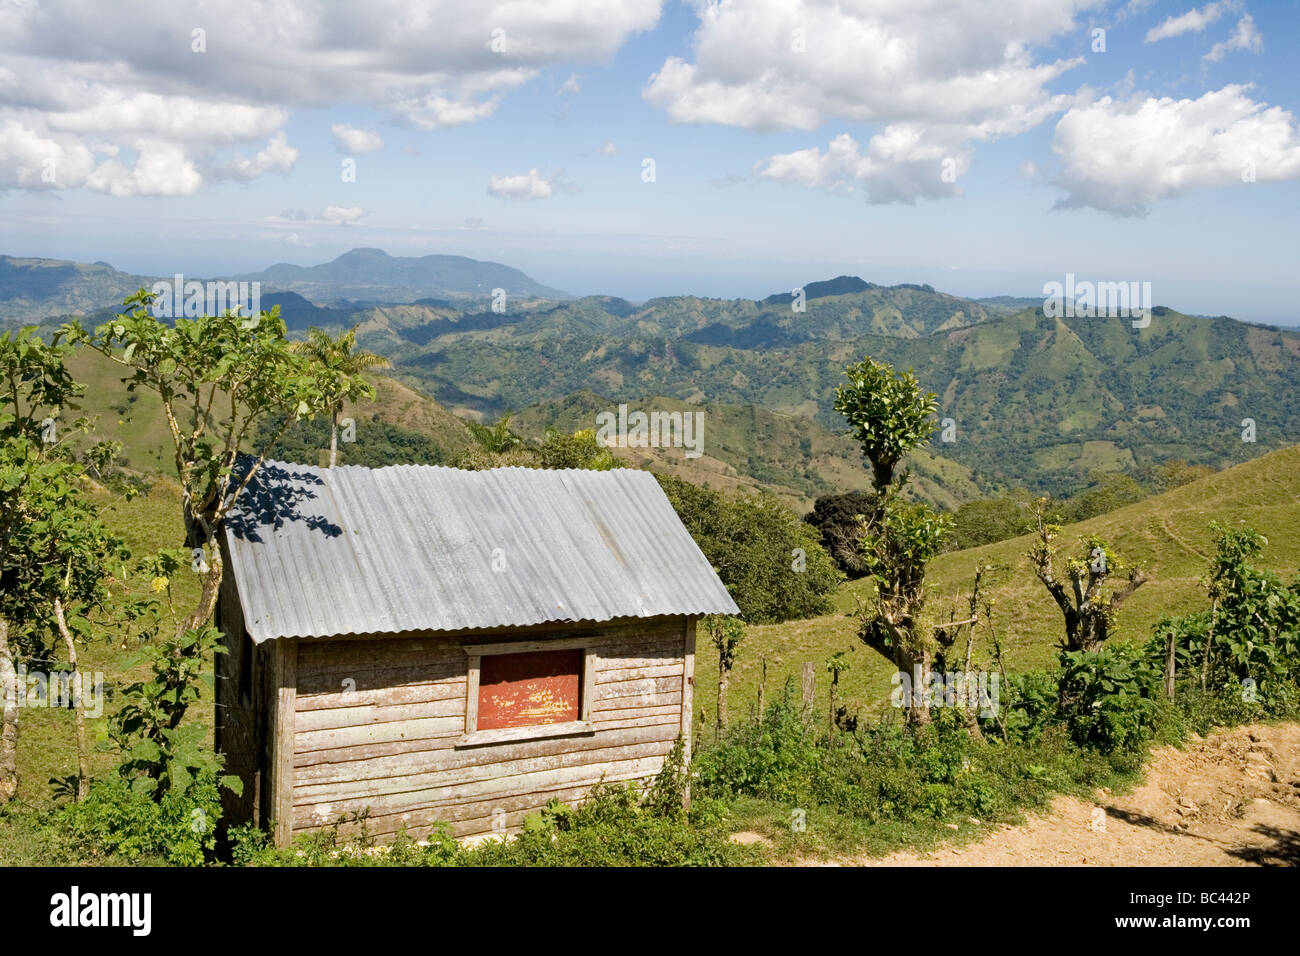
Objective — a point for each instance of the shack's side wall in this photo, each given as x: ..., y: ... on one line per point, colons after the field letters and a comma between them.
x: 376, y: 723
x: 239, y: 721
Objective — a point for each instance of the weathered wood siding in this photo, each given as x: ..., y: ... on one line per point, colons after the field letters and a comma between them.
x: 377, y: 721
x: 238, y: 722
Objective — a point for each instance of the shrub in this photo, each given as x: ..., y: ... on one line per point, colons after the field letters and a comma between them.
x: 1108, y: 697
x: 116, y: 818
x: 835, y: 518
x: 770, y: 561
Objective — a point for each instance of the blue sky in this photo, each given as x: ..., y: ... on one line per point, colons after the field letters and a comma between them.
x: 780, y: 157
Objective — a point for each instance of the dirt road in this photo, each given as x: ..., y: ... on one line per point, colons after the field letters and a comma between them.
x: 1231, y: 799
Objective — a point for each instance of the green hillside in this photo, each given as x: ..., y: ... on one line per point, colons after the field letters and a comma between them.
x: 750, y: 447
x: 1034, y: 400
x: 1168, y: 534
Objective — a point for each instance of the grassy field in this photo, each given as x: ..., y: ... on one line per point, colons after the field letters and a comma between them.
x: 1167, y: 534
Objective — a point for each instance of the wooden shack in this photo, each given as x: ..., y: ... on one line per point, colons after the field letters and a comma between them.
x: 432, y: 644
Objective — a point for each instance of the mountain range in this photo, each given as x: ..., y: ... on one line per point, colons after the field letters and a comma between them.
x: 1025, y: 399
x: 33, y: 290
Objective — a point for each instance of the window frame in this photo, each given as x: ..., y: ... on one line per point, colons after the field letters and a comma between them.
x: 473, y: 737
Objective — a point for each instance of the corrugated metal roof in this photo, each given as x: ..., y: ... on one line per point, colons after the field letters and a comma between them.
x: 351, y: 550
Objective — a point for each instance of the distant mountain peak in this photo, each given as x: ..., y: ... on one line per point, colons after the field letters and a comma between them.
x: 371, y: 274
x: 840, y: 285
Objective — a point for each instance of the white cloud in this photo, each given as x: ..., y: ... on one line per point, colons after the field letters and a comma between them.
x: 342, y: 215
x: 1121, y: 157
x: 572, y: 85
x: 77, y: 75
x: 161, y: 169
x: 896, y: 60
x: 1245, y: 37
x: 529, y: 185
x: 903, y: 162
x: 900, y: 164
x: 1193, y: 21
x: 941, y: 75
x: 278, y: 156
x: 609, y: 149
x: 329, y: 216
x: 349, y: 139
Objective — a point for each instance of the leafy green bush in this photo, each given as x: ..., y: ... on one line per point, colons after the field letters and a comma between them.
x: 1108, y: 697
x: 1246, y: 646
x: 116, y: 818
x: 889, y: 773
x: 771, y: 561
x: 1027, y: 705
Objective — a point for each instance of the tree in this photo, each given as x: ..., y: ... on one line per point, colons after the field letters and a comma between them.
x: 890, y: 415
x: 1088, y: 607
x: 837, y: 664
x: 577, y: 450
x: 35, y: 387
x: 63, y: 580
x: 770, y: 561
x: 340, y: 356
x: 726, y: 633
x: 497, y: 439
x: 837, y: 520
x: 218, y: 378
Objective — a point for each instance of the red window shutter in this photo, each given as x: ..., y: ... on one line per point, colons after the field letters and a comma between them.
x: 524, y: 690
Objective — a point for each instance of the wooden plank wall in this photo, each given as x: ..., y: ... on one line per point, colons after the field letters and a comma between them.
x: 237, y: 721
x: 376, y: 723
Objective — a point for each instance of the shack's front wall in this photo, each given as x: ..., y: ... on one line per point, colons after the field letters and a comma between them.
x: 377, y: 724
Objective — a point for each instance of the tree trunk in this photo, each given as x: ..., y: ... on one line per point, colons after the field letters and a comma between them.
x: 1209, y: 643
x: 1171, y: 665
x: 334, y: 437
x: 724, y: 677
x: 9, y: 722
x: 210, y: 590
x: 830, y: 716
x: 917, y: 668
x: 83, y: 752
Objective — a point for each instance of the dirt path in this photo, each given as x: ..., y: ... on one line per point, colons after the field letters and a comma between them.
x: 1231, y: 799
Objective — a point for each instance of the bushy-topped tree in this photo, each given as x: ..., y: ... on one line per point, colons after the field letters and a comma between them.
x: 1090, y: 604
x: 340, y: 356
x: 219, y: 377
x: 890, y: 415
x: 35, y: 388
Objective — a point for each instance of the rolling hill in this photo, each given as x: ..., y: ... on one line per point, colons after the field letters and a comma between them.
x: 1033, y: 400
x: 32, y: 289
x: 1168, y: 534
x: 748, y: 447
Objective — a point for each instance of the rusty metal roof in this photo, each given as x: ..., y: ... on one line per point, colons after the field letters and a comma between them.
x: 350, y: 550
